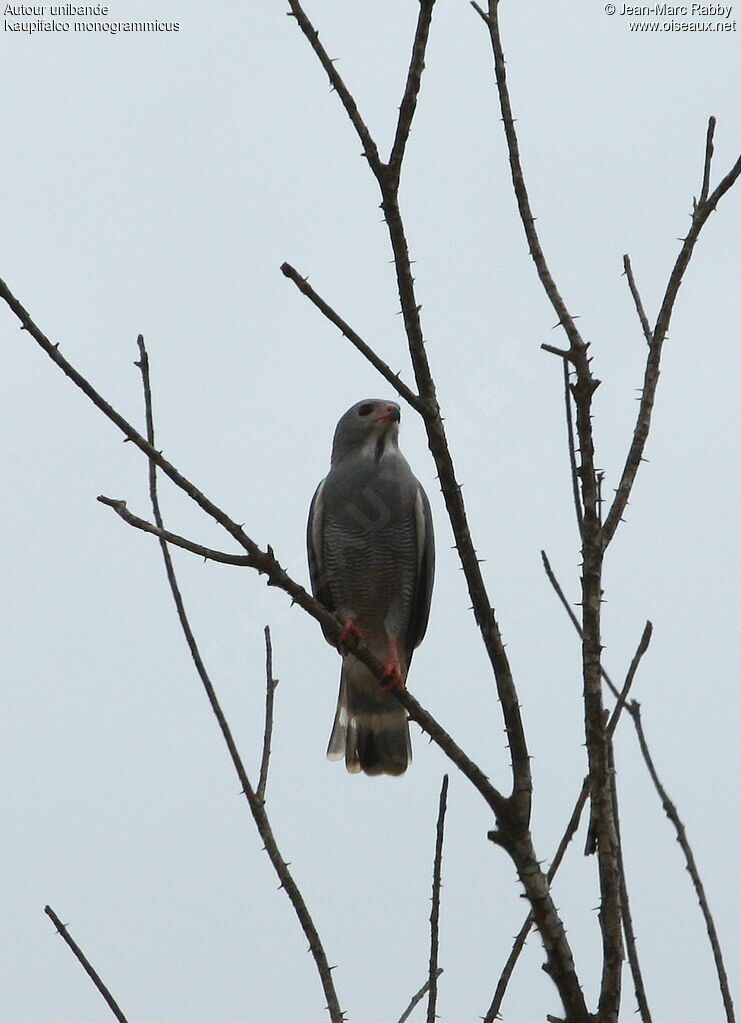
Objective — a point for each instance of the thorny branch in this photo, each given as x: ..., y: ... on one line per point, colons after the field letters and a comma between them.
x: 596, y: 536
x: 573, y: 824
x: 411, y: 91
x: 256, y: 802
x: 572, y: 451
x: 700, y: 214
x: 167, y: 536
x: 646, y: 327
x: 583, y: 391
x: 435, y: 912
x: 633, y: 708
x: 630, y: 938
x: 85, y: 963
x: 270, y: 686
x: 386, y: 372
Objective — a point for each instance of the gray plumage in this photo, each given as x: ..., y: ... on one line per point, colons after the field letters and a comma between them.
x: 372, y: 561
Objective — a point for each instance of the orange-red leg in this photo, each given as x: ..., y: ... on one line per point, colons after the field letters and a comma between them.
x: 392, y: 676
x: 350, y: 631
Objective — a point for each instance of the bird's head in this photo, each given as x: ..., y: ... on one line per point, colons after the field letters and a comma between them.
x: 370, y: 426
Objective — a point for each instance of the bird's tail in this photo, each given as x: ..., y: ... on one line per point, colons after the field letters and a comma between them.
x: 371, y: 729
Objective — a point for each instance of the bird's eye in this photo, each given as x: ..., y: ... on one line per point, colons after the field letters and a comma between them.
x: 365, y: 410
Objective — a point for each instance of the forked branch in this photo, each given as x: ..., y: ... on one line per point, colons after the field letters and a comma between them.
x: 702, y: 209
x: 633, y: 708
x: 572, y: 826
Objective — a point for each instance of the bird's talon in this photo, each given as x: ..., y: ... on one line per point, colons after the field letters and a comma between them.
x: 350, y: 632
x: 391, y: 678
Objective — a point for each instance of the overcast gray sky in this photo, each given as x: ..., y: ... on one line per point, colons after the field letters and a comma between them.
x: 155, y: 183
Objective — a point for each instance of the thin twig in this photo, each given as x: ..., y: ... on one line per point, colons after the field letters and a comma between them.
x: 416, y: 999
x: 700, y: 215
x: 256, y: 804
x: 570, y: 612
x: 207, y: 553
x: 591, y: 842
x: 630, y: 938
x: 435, y: 913
x: 508, y: 969
x: 386, y: 372
x: 85, y: 963
x: 565, y: 319
x: 370, y: 149
x: 590, y: 846
x: 411, y: 90
x: 572, y: 451
x: 670, y: 809
x: 646, y: 327
x: 709, y: 149
x: 270, y: 685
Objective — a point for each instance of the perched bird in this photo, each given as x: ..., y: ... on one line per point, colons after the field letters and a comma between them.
x: 372, y: 561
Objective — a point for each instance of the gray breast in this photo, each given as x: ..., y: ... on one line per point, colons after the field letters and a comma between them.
x: 370, y: 545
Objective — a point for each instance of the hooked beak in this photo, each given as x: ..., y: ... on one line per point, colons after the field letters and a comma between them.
x: 391, y: 414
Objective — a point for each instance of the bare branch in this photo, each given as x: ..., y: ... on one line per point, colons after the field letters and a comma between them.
x: 591, y: 843
x: 85, y: 963
x: 386, y: 372
x: 256, y: 804
x: 518, y: 181
x: 572, y: 451
x: 583, y: 392
x: 573, y: 824
x: 123, y: 512
x: 270, y: 686
x: 416, y: 999
x: 630, y: 939
x: 435, y: 914
x: 370, y: 149
x: 709, y: 149
x: 700, y: 215
x: 411, y: 90
x: 637, y: 300
x: 670, y: 810
x: 509, y: 966
x: 264, y: 562
x: 633, y: 709
x: 570, y: 612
